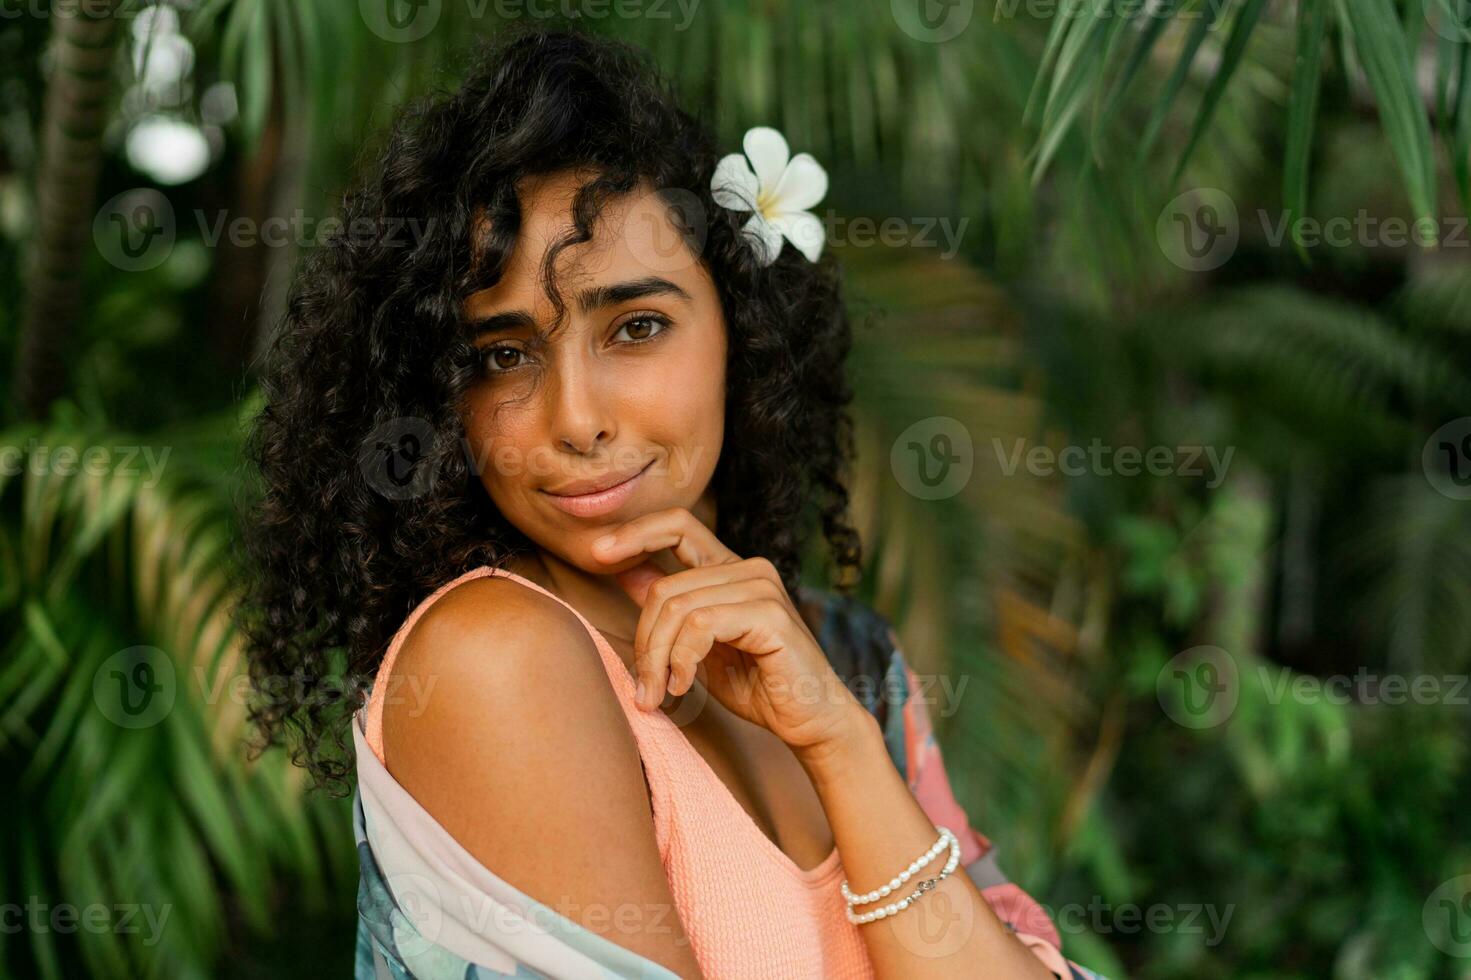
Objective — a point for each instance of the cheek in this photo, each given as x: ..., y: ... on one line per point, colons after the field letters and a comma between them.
x: 501, y: 441
x: 688, y: 393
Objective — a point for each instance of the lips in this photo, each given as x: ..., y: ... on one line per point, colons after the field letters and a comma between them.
x: 597, y: 497
x: 579, y: 488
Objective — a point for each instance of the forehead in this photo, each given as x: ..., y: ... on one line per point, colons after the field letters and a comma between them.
x: 633, y: 237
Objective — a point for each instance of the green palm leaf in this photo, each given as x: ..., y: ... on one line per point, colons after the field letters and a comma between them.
x: 169, y: 816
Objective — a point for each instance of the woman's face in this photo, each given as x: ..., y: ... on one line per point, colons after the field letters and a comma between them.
x: 632, y: 382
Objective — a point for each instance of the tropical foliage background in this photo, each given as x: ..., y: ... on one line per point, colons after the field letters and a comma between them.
x: 1144, y: 193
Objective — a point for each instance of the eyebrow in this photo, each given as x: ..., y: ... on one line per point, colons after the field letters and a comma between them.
x: 588, y: 300
x: 622, y: 292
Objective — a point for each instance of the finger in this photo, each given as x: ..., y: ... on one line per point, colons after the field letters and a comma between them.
x: 652, y: 658
x: 661, y: 591
x: 754, y: 626
x: 676, y: 528
x: 637, y: 580
x: 678, y: 667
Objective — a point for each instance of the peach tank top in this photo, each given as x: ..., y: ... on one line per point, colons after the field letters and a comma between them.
x: 749, y: 910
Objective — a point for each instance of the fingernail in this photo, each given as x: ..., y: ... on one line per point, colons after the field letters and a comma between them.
x: 602, y: 543
x: 638, y: 693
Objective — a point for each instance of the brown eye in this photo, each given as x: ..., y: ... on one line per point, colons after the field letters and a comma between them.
x: 642, y: 328
x: 499, y: 359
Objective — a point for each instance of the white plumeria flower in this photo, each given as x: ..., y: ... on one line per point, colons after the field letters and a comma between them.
x: 778, y: 192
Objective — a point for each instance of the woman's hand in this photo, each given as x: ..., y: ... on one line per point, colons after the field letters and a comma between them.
x: 730, y: 622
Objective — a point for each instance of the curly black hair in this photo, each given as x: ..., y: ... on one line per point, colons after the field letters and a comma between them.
x: 374, y: 342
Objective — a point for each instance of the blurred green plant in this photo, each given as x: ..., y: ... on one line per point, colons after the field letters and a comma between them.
x: 1097, y: 51
x: 111, y: 558
x: 1057, y: 601
x: 1321, y: 824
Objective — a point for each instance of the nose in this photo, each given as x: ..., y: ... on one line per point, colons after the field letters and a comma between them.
x: 579, y: 411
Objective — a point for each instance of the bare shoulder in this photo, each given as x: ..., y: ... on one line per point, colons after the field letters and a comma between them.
x: 493, y: 624
x: 507, y: 730
x: 491, y: 678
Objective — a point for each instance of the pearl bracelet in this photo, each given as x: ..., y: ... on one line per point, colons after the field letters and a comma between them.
x: 947, y: 839
x: 927, y: 885
x: 894, y: 883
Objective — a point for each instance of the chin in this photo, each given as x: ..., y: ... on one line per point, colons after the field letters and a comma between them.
x: 575, y: 549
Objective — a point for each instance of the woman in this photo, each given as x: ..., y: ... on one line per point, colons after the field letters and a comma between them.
x: 541, y: 472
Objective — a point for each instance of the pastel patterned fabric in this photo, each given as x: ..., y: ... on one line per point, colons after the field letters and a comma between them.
x: 427, y: 908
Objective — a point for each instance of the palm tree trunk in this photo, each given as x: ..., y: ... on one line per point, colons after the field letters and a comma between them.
x: 84, y: 37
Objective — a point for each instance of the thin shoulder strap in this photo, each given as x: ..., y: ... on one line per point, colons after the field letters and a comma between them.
x: 373, y: 721
x: 623, y: 683
x: 618, y: 674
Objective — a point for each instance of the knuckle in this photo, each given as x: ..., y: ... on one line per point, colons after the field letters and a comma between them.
x: 763, y: 566
x: 770, y: 589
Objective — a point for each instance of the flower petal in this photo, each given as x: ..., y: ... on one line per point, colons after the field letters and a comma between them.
x: 764, y: 238
x: 804, y: 230
x: 734, y: 185
x: 802, y: 185
x: 769, y: 154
